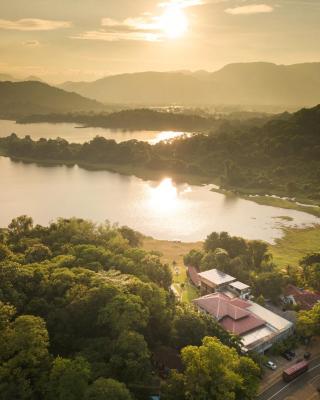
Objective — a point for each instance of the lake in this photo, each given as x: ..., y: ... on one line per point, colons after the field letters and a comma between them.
x: 74, y: 133
x: 164, y: 210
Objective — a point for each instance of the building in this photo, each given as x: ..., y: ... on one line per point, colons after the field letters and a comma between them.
x: 194, y: 276
x: 304, y: 299
x: 227, y: 300
x: 214, y: 280
x: 239, y: 289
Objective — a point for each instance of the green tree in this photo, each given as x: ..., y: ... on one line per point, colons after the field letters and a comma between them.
x: 37, y: 253
x: 308, y: 322
x: 269, y: 285
x: 214, y: 371
x: 130, y: 361
x: 4, y: 252
x: 68, y: 379
x: 133, y: 237
x: 19, y: 228
x: 193, y: 258
x: 24, y: 357
x: 251, y: 373
x: 107, y: 389
x: 124, y: 313
x: 259, y: 253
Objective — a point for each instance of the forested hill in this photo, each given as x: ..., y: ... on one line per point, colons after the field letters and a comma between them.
x: 281, y: 157
x: 138, y: 119
x: 150, y: 119
x: 24, y: 98
x: 255, y: 84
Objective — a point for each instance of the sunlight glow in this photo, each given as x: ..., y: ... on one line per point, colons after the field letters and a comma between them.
x: 164, y: 197
x: 166, y: 136
x: 173, y: 22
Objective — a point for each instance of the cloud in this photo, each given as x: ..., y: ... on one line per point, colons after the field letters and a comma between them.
x: 182, y: 3
x: 31, y: 43
x: 33, y: 24
x: 250, y: 9
x: 144, y: 28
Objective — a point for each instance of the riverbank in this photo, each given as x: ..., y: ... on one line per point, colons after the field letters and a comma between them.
x: 275, y: 200
x: 141, y: 172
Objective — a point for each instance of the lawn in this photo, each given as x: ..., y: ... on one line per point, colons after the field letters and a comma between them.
x: 172, y: 253
x: 295, y: 244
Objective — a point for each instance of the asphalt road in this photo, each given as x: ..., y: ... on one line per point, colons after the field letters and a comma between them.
x: 292, y: 390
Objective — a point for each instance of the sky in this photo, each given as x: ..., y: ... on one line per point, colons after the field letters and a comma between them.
x: 60, y: 40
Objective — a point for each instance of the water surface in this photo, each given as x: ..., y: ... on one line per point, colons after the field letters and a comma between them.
x: 164, y: 210
x: 74, y: 133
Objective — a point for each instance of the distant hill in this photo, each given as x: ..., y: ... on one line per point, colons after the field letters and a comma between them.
x: 142, y: 88
x: 244, y: 84
x: 33, y: 78
x: 24, y: 98
x: 6, y: 77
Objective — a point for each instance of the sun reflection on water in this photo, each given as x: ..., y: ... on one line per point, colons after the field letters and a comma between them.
x: 166, y: 136
x: 164, y: 197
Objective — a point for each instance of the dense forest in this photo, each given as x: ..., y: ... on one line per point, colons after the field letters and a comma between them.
x: 281, y: 157
x: 139, y: 119
x: 152, y: 119
x: 87, y: 314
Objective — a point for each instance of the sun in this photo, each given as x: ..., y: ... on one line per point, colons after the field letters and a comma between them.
x: 174, y: 22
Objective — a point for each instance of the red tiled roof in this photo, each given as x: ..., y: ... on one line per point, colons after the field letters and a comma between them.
x: 240, y: 303
x: 231, y: 313
x: 193, y: 275
x: 304, y: 298
x: 243, y: 325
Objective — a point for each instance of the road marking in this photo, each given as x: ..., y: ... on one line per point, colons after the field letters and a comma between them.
x: 290, y: 383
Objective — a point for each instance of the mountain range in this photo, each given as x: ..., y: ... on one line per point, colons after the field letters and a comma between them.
x: 257, y: 83
x: 25, y: 98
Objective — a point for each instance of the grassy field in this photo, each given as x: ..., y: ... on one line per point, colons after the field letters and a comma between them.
x: 276, y: 202
x: 172, y: 254
x: 295, y: 244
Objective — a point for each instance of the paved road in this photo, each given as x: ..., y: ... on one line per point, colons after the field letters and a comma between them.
x: 281, y: 390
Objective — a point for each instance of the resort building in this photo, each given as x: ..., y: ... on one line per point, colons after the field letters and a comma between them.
x: 214, y: 280
x: 228, y: 302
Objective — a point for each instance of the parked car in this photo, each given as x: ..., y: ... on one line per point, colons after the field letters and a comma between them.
x: 271, y: 365
x: 292, y: 353
x: 307, y: 355
x: 286, y: 355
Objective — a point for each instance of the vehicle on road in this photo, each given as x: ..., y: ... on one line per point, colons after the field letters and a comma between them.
x: 307, y: 355
x: 295, y: 370
x: 286, y: 355
x: 291, y: 353
x: 271, y: 365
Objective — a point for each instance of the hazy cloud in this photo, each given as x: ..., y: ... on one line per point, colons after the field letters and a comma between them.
x: 33, y: 24
x: 182, y: 3
x: 250, y: 9
x: 144, y: 28
x: 31, y: 43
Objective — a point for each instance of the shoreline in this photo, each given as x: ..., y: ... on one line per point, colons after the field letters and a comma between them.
x: 274, y: 200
